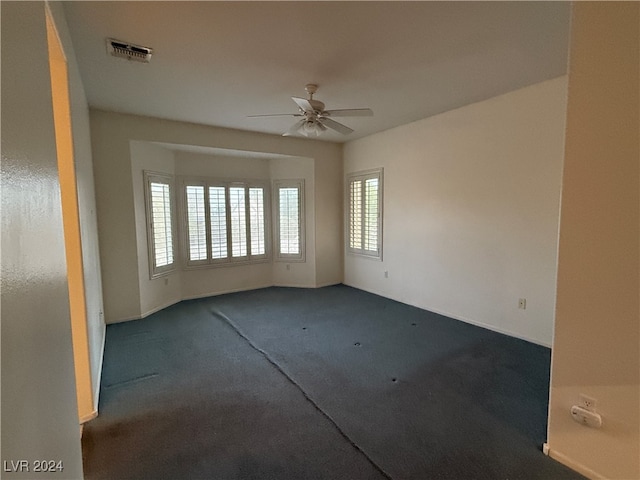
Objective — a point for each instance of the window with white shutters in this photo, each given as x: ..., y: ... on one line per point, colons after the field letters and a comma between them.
x: 364, y: 217
x: 196, y: 223
x: 238, y: 222
x: 289, y: 210
x: 256, y: 221
x: 160, y: 223
x: 218, y: 222
x: 225, y: 222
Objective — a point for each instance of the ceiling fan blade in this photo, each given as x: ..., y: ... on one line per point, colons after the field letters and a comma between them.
x: 276, y: 115
x: 349, y: 112
x: 295, y: 128
x: 338, y: 127
x: 303, y: 103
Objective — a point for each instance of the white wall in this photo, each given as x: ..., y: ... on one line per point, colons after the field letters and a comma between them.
x: 39, y: 409
x: 597, y: 332
x: 96, y: 330
x: 471, y: 201
x: 298, y: 274
x: 161, y: 292
x: 328, y: 213
x: 122, y: 272
x: 116, y: 219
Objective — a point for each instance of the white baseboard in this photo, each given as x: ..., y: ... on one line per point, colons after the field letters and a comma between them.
x: 161, y: 307
x: 89, y: 416
x: 122, y: 320
x: 215, y: 294
x: 460, y: 318
x: 572, y: 464
x: 328, y: 284
x: 96, y: 393
x: 147, y: 313
x: 492, y: 328
x: 224, y: 292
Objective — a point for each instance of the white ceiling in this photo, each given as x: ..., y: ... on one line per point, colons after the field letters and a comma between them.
x: 215, y: 63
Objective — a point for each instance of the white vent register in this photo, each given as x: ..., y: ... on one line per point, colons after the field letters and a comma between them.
x: 130, y: 51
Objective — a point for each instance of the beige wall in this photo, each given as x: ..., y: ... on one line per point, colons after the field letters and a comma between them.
x: 39, y: 409
x: 298, y: 274
x: 118, y: 161
x: 597, y: 334
x: 116, y: 217
x: 328, y: 219
x: 471, y: 201
x: 160, y: 292
x: 95, y: 326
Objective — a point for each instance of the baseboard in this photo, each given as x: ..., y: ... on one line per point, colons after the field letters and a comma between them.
x: 328, y: 284
x: 492, y: 328
x: 145, y: 314
x: 122, y: 320
x: 461, y: 318
x: 224, y: 292
x: 215, y: 294
x: 161, y: 307
x: 88, y: 417
x: 572, y: 464
x: 96, y: 393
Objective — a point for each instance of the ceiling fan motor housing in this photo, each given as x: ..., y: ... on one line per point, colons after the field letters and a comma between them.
x: 318, y: 106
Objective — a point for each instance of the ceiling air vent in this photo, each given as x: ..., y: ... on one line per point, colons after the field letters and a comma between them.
x: 121, y: 49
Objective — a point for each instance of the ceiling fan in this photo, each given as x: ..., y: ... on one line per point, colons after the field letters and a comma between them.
x: 315, y: 119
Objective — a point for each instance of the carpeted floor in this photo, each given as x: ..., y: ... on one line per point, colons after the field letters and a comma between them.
x: 331, y: 383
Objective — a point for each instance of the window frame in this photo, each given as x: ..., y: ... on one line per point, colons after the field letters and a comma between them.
x: 165, y: 179
x: 301, y: 255
x: 227, y: 184
x: 362, y: 176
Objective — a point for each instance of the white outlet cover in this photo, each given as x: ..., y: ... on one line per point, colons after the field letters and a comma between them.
x: 585, y: 417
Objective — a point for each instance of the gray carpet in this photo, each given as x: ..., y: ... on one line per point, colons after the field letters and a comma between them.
x: 332, y: 383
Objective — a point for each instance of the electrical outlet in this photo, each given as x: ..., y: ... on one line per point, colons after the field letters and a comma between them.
x: 386, y: 274
x: 586, y: 417
x: 588, y: 403
x: 522, y: 303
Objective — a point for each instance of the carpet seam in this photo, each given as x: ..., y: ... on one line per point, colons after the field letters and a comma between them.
x: 290, y: 379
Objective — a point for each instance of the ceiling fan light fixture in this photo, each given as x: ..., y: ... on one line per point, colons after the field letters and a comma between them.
x: 315, y: 118
x: 312, y: 127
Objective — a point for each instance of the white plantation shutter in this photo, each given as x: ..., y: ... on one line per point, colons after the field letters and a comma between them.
x: 226, y: 222
x: 364, y: 191
x: 218, y: 222
x: 289, y: 210
x: 237, y: 206
x: 158, y: 192
x: 355, y: 214
x: 256, y: 220
x: 161, y: 224
x: 289, y: 221
x: 196, y: 223
x: 370, y: 226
